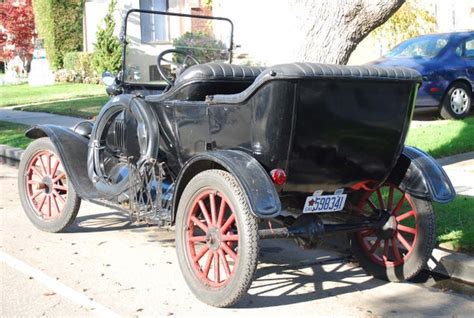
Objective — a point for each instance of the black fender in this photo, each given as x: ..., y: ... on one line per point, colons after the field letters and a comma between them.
x: 420, y: 175
x: 72, y: 149
x: 249, y: 173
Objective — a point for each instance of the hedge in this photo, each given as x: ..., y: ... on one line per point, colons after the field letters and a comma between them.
x: 59, y: 24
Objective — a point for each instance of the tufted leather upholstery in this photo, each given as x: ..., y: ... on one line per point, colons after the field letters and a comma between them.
x: 342, y: 71
x: 219, y: 71
x: 326, y: 71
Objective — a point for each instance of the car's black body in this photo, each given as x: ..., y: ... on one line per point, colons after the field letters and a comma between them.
x: 328, y: 127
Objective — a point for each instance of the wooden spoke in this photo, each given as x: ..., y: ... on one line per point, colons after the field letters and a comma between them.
x: 385, y: 250
x: 201, y: 253
x: 399, y: 205
x: 380, y: 199
x: 212, y: 199
x: 230, y: 237
x: 396, y: 251
x: 405, y: 215
x: 201, y: 238
x: 207, y: 266
x: 204, y: 212
x: 57, y: 195
x: 220, y: 217
x: 407, y: 229
x: 375, y: 246
x: 390, y: 198
x: 229, y: 251
x: 224, y: 262
x: 217, y: 268
x: 227, y: 224
x: 403, y: 241
x: 197, y: 222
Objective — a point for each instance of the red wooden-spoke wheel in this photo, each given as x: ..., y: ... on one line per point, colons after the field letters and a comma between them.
x: 394, y: 243
x: 46, y: 185
x: 398, y: 249
x: 213, y: 238
x: 46, y: 194
x: 216, y: 238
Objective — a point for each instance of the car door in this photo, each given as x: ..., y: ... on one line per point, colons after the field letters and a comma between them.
x: 468, y: 57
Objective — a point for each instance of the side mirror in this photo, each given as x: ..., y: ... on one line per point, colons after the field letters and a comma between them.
x: 107, y: 78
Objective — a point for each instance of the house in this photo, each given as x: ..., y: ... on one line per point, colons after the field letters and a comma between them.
x: 147, y: 35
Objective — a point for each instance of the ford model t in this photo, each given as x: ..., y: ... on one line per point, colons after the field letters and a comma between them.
x: 218, y: 150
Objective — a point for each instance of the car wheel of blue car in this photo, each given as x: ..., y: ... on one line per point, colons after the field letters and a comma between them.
x: 399, y: 249
x: 216, y: 238
x: 457, y: 102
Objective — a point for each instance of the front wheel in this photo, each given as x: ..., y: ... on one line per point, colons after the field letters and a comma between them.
x: 216, y: 238
x: 46, y: 193
x: 400, y: 249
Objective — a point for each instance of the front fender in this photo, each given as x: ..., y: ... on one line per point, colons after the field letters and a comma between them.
x: 72, y: 149
x: 251, y: 176
x: 420, y: 175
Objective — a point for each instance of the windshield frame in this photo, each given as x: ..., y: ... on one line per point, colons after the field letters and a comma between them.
x: 123, y: 35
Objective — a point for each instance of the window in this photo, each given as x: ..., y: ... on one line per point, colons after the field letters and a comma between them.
x: 427, y: 46
x: 469, y: 48
x: 153, y: 27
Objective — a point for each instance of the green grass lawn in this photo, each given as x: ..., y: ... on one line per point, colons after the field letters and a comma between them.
x: 442, y: 138
x: 25, y: 94
x: 455, y: 222
x: 85, y: 108
x: 13, y: 135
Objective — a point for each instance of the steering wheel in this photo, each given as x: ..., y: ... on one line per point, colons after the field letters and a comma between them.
x: 187, y: 61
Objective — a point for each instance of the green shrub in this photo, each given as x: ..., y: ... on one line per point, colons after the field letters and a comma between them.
x: 204, y: 47
x: 77, y: 69
x: 59, y: 24
x: 70, y: 76
x: 79, y: 62
x: 107, y: 50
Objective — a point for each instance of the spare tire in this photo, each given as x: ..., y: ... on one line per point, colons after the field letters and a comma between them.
x: 147, y: 134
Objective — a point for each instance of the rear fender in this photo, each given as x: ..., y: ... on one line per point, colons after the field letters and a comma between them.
x: 72, y: 149
x: 251, y: 176
x: 420, y: 175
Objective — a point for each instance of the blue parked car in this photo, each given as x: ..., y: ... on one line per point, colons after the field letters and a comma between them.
x: 446, y: 62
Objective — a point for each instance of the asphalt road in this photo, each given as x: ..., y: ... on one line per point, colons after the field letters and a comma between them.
x: 106, y: 266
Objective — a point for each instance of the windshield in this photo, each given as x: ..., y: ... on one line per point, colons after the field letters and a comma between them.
x: 149, y: 33
x: 424, y: 47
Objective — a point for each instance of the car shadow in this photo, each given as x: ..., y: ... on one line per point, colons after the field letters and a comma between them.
x: 288, y: 279
x: 104, y: 222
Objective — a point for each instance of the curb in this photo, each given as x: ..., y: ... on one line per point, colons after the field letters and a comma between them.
x: 453, y: 264
x: 442, y: 261
x: 11, y: 152
x: 456, y: 158
x: 449, y: 263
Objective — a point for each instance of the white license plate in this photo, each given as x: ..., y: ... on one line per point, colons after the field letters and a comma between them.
x: 324, y: 203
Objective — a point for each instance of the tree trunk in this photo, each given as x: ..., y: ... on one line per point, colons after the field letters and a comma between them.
x: 332, y: 29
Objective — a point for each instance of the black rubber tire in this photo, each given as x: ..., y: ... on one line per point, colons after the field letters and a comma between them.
x: 73, y: 202
x: 420, y: 255
x: 446, y: 111
x: 241, y: 279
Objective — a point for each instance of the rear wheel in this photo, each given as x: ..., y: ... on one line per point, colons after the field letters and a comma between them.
x: 46, y: 194
x: 457, y: 102
x: 216, y: 238
x: 400, y: 249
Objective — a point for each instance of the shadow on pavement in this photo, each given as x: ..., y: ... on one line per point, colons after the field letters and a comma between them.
x: 102, y: 222
x: 288, y: 274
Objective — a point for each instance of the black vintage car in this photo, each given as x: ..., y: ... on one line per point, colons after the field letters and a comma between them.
x: 220, y: 150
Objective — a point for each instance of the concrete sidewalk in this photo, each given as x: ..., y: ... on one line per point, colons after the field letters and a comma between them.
x: 37, y: 118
